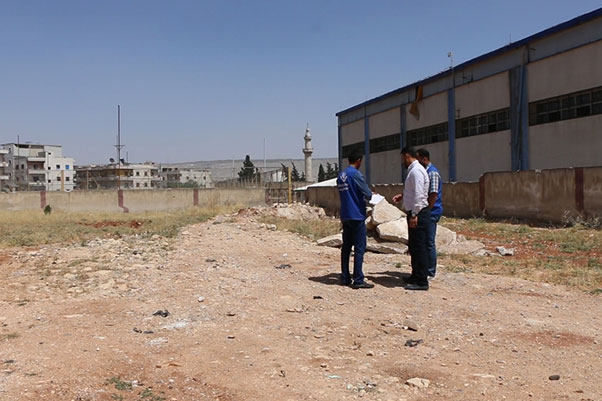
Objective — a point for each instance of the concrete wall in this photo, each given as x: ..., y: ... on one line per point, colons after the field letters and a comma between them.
x: 385, y: 123
x: 385, y: 167
x: 133, y: 200
x: 572, y: 71
x: 480, y: 153
x: 592, y: 191
x: 482, y: 96
x: 568, y: 143
x: 545, y: 196
x: 433, y: 110
x: 461, y: 199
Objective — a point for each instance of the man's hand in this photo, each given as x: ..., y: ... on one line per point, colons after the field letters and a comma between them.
x: 397, y: 198
x: 413, y: 222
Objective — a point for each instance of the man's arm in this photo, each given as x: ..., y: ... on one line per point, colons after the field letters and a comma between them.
x: 433, y: 188
x: 361, y: 184
x: 432, y: 199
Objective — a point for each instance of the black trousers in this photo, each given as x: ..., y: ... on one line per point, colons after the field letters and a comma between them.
x: 418, y: 238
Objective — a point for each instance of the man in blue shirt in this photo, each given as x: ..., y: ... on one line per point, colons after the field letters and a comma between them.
x: 435, y: 205
x: 353, y: 192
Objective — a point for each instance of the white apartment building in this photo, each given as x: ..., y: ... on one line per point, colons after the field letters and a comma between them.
x: 36, y: 167
x: 174, y: 177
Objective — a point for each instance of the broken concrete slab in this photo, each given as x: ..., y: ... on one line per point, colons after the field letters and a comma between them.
x: 385, y: 212
x: 394, y: 248
x: 467, y: 247
x: 334, y: 241
x: 395, y: 231
x: 445, y: 236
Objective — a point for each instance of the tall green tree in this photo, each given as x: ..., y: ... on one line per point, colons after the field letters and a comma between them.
x: 295, y: 173
x: 321, y: 173
x: 329, y: 171
x: 247, y: 170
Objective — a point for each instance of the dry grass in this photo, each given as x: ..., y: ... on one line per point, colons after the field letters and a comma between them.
x: 312, y: 229
x: 567, y: 255
x: 31, y: 228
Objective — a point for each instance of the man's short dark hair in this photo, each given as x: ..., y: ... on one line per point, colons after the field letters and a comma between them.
x: 422, y: 152
x: 408, y: 150
x: 354, y: 156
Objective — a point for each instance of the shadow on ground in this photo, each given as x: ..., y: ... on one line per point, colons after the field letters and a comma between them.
x: 389, y: 279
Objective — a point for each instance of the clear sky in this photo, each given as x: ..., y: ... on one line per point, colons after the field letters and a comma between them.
x: 205, y: 80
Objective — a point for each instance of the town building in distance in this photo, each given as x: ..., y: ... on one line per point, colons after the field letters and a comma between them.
x: 176, y: 177
x: 35, y: 167
x: 118, y: 176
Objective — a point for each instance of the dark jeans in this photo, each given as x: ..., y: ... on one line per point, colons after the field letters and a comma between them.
x: 354, y: 235
x: 418, y: 247
x: 431, y: 248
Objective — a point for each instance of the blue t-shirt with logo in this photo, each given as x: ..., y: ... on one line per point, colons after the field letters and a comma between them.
x: 353, y: 192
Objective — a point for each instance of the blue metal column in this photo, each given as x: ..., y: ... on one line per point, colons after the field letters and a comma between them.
x: 524, y: 121
x: 340, y: 146
x: 451, y: 123
x: 367, y: 148
x: 403, y: 137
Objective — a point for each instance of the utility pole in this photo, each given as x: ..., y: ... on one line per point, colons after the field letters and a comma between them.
x: 119, y: 146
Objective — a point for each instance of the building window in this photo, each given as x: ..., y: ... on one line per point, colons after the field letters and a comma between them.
x: 137, y: 185
x: 137, y: 173
x: 66, y: 167
x: 485, y: 123
x: 146, y: 173
x: 58, y: 166
x: 66, y: 178
x: 566, y: 107
x: 427, y: 135
x: 385, y: 143
x: 146, y: 184
x: 354, y: 147
x: 58, y: 178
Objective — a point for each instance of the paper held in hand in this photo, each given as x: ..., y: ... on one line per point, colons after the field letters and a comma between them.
x: 376, y: 199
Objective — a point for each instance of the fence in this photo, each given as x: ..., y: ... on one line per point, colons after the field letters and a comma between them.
x: 537, y: 195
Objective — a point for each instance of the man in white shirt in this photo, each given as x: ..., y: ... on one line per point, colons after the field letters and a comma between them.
x: 415, y: 204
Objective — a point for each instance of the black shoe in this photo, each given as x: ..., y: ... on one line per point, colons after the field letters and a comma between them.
x: 363, y: 284
x: 345, y: 283
x: 417, y: 287
x: 409, y: 280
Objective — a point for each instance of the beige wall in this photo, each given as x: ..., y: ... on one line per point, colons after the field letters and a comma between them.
x: 592, y: 191
x: 461, y: 199
x: 433, y: 110
x: 482, y: 96
x: 570, y: 71
x: 134, y: 200
x: 385, y: 167
x: 385, y: 123
x: 352, y: 133
x: 568, y: 143
x: 439, y: 157
x: 478, y: 154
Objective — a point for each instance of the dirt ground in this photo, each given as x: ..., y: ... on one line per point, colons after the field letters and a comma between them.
x: 256, y: 314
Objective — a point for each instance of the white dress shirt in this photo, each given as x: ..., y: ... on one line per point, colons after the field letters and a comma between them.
x: 415, y: 189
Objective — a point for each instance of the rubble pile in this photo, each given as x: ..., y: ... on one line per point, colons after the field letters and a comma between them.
x: 388, y: 233
x: 291, y: 211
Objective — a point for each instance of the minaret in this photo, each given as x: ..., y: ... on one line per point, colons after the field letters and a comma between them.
x: 308, y: 150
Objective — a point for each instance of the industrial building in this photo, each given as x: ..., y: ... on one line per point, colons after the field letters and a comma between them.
x: 533, y: 104
x: 35, y: 167
x: 118, y: 176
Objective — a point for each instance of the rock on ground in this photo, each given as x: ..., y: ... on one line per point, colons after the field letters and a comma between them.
x: 396, y: 248
x: 384, y: 212
x: 444, y: 237
x: 335, y: 241
x: 396, y: 231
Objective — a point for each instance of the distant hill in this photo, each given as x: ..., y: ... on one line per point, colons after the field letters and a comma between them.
x: 226, y: 169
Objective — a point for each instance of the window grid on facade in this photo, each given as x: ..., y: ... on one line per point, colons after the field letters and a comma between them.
x: 566, y: 107
x: 424, y: 136
x: 485, y: 123
x: 354, y: 147
x: 385, y: 143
